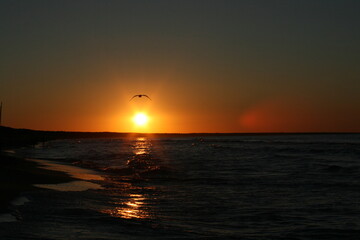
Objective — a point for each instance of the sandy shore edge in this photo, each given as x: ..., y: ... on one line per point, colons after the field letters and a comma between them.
x: 19, y: 175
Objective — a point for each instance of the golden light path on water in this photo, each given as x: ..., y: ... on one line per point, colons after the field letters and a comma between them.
x: 134, y: 206
x: 141, y: 146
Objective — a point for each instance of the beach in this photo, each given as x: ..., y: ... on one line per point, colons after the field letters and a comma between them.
x: 18, y: 175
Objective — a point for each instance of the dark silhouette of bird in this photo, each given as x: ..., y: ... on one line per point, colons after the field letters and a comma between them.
x: 140, y: 96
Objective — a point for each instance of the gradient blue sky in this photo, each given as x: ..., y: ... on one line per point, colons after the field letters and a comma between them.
x: 209, y: 66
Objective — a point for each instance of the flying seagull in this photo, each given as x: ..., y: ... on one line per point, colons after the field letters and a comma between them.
x: 139, y: 96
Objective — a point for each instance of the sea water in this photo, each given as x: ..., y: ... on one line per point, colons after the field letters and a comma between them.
x: 304, y: 186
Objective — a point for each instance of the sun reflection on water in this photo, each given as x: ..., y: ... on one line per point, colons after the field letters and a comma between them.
x: 133, y: 208
x: 131, y: 203
x: 141, y: 159
x: 141, y: 146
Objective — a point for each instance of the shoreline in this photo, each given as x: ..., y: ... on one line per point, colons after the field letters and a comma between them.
x: 18, y: 175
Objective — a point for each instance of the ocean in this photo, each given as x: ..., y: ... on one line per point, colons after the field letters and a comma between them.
x: 288, y: 186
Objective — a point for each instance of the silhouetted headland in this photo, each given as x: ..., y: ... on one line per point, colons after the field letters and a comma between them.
x: 12, y: 137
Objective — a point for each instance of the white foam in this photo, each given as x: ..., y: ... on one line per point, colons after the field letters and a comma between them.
x: 73, y: 171
x: 7, y: 217
x: 9, y: 151
x: 76, y: 172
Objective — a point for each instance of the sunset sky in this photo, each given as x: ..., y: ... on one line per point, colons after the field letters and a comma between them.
x: 208, y: 66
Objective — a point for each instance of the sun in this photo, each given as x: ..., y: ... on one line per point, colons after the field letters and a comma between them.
x: 140, y: 119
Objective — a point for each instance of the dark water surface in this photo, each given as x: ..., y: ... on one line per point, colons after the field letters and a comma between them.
x: 235, y: 187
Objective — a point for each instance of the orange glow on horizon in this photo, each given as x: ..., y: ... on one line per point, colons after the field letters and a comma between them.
x: 168, y: 112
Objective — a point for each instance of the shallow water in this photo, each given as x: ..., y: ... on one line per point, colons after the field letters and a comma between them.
x: 228, y: 187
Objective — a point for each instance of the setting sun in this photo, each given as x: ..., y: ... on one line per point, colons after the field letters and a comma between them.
x: 140, y: 119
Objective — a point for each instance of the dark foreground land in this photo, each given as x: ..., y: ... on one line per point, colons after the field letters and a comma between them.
x: 18, y: 175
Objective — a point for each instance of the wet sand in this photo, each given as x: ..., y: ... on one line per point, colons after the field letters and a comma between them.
x: 82, y: 175
x: 18, y: 175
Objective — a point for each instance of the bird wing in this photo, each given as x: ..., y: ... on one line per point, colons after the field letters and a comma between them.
x: 147, y: 96
x: 133, y: 97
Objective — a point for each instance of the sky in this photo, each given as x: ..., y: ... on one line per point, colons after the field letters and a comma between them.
x: 208, y: 66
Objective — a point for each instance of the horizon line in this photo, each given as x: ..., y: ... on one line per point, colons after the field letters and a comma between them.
x: 188, y: 133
